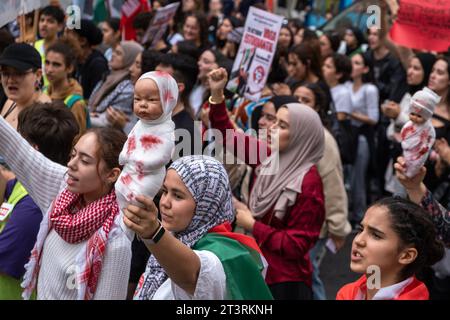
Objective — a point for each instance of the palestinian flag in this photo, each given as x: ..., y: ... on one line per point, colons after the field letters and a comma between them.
x: 242, y: 260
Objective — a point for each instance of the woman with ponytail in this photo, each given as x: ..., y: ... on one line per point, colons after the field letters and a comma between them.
x: 395, y: 241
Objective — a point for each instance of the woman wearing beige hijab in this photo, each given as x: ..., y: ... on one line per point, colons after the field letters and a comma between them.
x: 286, y: 207
x: 116, y: 90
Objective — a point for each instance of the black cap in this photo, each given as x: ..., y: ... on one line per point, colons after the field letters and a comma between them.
x: 90, y: 31
x: 21, y: 56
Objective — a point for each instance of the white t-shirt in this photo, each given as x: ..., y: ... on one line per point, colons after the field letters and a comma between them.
x: 341, y: 98
x: 196, y: 99
x: 211, y: 283
x: 364, y: 101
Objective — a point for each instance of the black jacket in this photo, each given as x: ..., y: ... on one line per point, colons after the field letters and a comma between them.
x: 91, y: 72
x: 390, y: 77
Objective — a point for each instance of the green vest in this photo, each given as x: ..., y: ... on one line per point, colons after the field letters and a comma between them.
x: 17, y: 194
x: 10, y: 288
x: 39, y: 46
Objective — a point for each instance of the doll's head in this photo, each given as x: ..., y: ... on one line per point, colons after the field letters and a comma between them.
x: 422, y: 105
x: 155, y: 96
x: 398, y: 237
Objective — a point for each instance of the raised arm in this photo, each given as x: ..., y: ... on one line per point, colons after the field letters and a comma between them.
x: 419, y: 194
x: 180, y: 262
x: 245, y: 147
x: 403, y: 53
x: 41, y: 177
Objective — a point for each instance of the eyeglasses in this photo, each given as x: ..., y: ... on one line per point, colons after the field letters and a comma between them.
x: 17, y: 75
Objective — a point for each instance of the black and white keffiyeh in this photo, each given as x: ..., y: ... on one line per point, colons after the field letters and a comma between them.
x: 207, y: 181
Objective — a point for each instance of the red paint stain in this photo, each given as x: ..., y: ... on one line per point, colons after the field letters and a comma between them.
x: 149, y: 141
x: 167, y: 96
x: 161, y: 74
x: 140, y: 167
x: 126, y: 179
x: 131, y: 144
x: 407, y: 131
x: 424, y: 135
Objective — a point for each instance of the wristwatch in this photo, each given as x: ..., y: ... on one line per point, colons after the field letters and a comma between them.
x: 156, y: 236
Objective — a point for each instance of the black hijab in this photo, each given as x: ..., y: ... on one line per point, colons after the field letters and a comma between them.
x: 427, y: 61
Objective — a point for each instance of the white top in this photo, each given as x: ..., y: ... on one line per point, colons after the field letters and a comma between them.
x: 365, y: 101
x: 396, y: 125
x: 175, y: 39
x: 211, y: 283
x: 341, y: 98
x: 196, y: 99
x: 387, y: 293
x: 44, y: 180
x: 56, y: 279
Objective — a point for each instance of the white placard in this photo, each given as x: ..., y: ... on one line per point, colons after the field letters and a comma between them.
x: 256, y: 51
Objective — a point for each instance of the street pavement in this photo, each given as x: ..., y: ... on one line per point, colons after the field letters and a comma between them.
x: 335, y: 269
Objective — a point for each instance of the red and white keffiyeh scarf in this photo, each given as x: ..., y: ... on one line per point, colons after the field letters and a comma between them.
x: 92, y: 223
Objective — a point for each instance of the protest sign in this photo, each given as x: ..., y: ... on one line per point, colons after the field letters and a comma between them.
x: 256, y: 51
x: 11, y: 9
x: 159, y: 23
x: 423, y: 25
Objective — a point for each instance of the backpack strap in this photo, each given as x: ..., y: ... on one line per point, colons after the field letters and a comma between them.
x: 71, y: 99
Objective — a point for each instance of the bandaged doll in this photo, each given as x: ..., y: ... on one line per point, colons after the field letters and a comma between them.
x: 150, y: 143
x: 418, y: 133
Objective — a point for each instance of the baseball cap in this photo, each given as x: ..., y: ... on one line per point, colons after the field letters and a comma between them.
x: 21, y: 56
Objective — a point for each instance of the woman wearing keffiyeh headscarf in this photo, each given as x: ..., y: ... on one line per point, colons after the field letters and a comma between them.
x: 197, y: 257
x: 286, y: 209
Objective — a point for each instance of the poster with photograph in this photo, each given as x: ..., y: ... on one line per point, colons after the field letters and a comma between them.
x: 256, y: 51
x: 10, y: 9
x: 159, y: 23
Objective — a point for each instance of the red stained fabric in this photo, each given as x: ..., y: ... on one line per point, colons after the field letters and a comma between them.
x: 149, y: 141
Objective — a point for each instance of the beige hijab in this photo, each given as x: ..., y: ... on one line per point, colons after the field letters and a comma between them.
x: 305, y: 149
x: 130, y: 49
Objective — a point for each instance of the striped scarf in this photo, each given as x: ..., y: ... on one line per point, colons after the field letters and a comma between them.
x: 92, y: 223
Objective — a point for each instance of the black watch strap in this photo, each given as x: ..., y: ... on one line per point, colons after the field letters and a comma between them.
x: 156, y: 237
